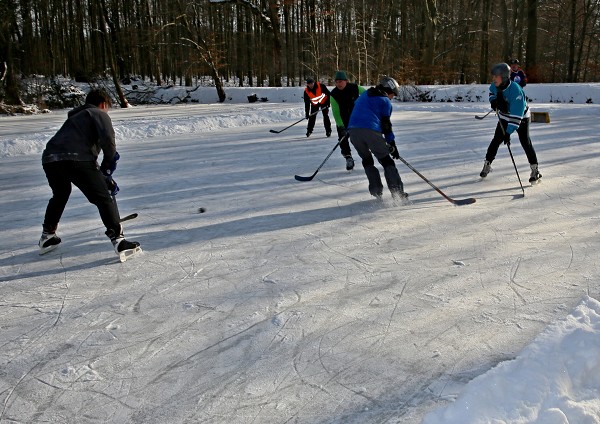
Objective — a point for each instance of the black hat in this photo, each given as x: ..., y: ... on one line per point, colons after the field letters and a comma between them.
x: 514, y: 61
x: 309, y: 80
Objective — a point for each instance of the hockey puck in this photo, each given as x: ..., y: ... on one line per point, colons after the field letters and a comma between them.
x: 201, y: 210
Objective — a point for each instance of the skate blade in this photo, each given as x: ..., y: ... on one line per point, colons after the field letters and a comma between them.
x: 126, y: 254
x: 44, y: 250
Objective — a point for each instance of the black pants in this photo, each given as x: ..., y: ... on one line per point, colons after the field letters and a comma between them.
x: 344, y: 142
x: 369, y: 143
x: 86, y: 177
x: 312, y: 118
x: 522, y: 132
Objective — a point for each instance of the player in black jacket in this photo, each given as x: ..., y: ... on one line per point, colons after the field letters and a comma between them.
x: 70, y: 158
x: 343, y: 97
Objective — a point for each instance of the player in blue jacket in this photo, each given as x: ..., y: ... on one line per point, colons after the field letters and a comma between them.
x: 508, y: 100
x: 371, y: 134
x: 516, y: 73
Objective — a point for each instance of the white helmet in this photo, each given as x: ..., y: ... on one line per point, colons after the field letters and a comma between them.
x: 389, y: 85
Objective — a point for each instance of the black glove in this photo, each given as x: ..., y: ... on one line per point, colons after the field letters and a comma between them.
x: 501, y: 104
x: 393, y: 150
x: 112, y: 185
x: 507, y: 139
x: 494, y: 104
x: 342, y: 132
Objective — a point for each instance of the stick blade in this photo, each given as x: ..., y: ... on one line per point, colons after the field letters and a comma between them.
x: 301, y: 178
x: 274, y: 131
x: 129, y: 217
x: 461, y: 202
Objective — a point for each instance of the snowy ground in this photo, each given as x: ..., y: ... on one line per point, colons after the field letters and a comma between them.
x: 305, y: 302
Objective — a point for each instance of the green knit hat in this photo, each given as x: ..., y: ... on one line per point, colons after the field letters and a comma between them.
x: 340, y: 75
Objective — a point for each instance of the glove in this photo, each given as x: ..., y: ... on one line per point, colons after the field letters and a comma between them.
x: 112, y: 185
x: 501, y: 104
x: 342, y: 132
x: 393, y: 150
x: 494, y: 104
x: 507, y: 139
x: 306, y: 115
x: 109, y: 169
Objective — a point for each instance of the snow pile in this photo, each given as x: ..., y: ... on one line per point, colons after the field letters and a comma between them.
x: 554, y: 380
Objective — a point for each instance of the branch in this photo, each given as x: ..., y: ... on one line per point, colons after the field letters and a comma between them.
x: 245, y: 3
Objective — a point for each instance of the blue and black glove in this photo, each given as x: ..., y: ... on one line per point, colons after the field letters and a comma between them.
x: 112, y: 186
x: 109, y: 169
x: 393, y: 150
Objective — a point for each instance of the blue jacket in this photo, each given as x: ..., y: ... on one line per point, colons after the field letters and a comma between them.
x: 519, y: 77
x: 372, y: 110
x: 517, y: 105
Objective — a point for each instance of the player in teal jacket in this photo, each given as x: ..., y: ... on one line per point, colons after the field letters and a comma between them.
x: 508, y: 100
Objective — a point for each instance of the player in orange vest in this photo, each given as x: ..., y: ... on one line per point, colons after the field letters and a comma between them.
x: 316, y: 96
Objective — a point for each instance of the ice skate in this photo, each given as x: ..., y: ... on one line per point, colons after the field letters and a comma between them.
x: 349, y: 163
x: 487, y: 168
x: 399, y: 197
x: 48, y: 242
x: 126, y: 249
x: 535, y: 176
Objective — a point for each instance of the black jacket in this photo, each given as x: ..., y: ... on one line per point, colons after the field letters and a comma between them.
x: 87, y: 131
x: 345, y: 102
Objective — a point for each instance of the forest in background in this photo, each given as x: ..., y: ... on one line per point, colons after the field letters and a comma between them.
x: 280, y: 42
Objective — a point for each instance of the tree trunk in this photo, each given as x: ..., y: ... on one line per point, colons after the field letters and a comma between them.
x: 531, y: 46
x: 110, y: 47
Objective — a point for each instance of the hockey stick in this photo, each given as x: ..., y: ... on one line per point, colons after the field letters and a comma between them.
x: 129, y: 217
x: 511, y: 155
x: 126, y: 218
x: 459, y: 202
x: 481, y: 117
x: 300, y: 178
x: 297, y: 122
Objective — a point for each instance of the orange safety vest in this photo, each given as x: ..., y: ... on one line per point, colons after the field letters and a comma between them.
x: 318, y: 96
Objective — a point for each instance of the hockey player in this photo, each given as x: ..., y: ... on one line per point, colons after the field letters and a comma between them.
x: 517, y: 74
x: 70, y: 158
x: 507, y: 99
x: 371, y: 135
x: 343, y: 97
x: 316, y: 96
